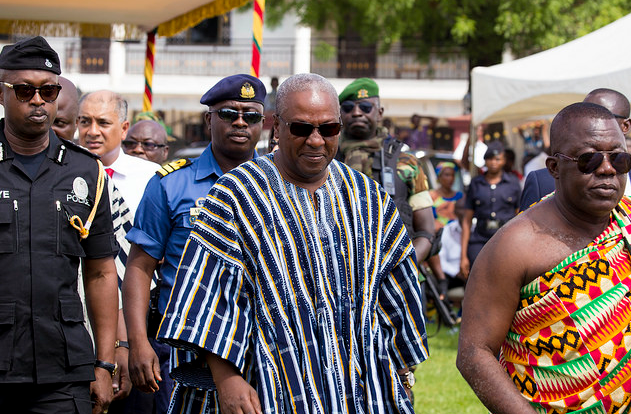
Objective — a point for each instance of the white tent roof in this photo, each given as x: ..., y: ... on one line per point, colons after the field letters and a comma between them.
x: 544, y: 83
x: 89, y: 18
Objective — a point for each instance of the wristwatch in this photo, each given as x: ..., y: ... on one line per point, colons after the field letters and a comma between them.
x: 111, y: 368
x: 121, y: 344
x: 408, y: 379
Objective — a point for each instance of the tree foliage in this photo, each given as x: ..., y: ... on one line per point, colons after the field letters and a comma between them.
x: 534, y: 25
x: 484, y: 28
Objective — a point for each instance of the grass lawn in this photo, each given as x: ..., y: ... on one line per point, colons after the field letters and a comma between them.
x: 439, y: 386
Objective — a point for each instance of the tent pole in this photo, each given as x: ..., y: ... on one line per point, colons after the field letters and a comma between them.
x: 257, y: 36
x: 147, y: 98
x: 473, y: 139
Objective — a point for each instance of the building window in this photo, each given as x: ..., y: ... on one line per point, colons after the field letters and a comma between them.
x: 95, y: 55
x: 208, y: 32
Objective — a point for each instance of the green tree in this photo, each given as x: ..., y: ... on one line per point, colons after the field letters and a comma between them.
x: 484, y: 28
x: 534, y: 25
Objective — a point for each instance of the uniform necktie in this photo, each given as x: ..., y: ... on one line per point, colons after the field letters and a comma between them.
x: 109, y: 172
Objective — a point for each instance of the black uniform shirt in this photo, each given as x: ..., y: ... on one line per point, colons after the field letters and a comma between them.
x: 42, y: 336
x: 492, y: 202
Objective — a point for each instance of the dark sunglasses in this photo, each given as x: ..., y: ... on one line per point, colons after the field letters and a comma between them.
x: 590, y: 161
x: 146, y: 145
x: 25, y: 92
x: 348, y: 106
x: 231, y: 115
x: 304, y: 129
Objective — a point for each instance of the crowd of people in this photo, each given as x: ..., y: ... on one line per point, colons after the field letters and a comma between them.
x: 289, y: 282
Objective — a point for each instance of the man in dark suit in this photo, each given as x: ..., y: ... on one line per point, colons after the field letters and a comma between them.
x: 539, y: 183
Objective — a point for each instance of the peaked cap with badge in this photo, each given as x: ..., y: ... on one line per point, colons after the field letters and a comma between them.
x: 242, y: 88
x: 361, y: 88
x: 31, y: 54
x: 494, y: 148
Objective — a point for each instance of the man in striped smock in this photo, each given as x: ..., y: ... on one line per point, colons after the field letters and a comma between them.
x: 298, y: 283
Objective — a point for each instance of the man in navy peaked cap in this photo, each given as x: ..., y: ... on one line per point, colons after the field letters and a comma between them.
x: 54, y: 215
x: 165, y: 216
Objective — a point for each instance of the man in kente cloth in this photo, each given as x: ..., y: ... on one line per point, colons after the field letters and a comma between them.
x: 558, y: 312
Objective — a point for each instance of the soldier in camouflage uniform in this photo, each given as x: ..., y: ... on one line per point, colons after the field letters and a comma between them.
x: 367, y: 147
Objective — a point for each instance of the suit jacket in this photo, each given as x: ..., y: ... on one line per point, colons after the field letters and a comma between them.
x: 539, y: 183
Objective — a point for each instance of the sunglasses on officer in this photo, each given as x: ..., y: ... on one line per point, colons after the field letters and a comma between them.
x: 349, y: 106
x: 590, y: 161
x: 304, y: 129
x: 231, y: 115
x: 25, y: 92
x: 146, y: 145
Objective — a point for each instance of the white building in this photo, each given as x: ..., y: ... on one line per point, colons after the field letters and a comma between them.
x: 188, y: 64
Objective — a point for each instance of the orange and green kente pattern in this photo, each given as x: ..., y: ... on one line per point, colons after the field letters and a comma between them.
x: 569, y: 345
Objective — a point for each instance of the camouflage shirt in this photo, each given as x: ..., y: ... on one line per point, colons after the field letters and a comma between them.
x: 359, y: 154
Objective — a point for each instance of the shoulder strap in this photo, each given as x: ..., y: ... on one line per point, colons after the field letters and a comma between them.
x: 173, y: 166
x: 70, y: 144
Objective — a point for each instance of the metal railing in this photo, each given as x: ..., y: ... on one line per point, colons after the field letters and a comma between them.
x: 277, y: 60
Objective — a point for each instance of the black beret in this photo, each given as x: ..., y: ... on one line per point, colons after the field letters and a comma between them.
x: 243, y: 88
x: 34, y: 53
x: 494, y: 149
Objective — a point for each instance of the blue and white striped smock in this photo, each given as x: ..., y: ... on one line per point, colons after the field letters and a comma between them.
x: 315, y: 300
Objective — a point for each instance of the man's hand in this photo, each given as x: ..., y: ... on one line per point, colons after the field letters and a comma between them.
x: 144, y: 367
x: 100, y: 280
x: 410, y: 394
x: 402, y: 373
x: 101, y: 390
x: 121, y: 383
x: 236, y: 396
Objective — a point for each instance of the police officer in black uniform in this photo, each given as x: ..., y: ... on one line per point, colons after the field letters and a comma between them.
x: 53, y: 213
x: 493, y: 199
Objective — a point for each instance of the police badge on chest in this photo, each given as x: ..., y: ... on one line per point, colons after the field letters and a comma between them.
x: 79, y: 192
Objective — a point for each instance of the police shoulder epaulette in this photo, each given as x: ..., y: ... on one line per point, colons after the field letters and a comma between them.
x: 172, y: 166
x: 77, y: 147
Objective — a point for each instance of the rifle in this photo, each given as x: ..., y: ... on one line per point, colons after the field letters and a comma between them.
x: 446, y: 315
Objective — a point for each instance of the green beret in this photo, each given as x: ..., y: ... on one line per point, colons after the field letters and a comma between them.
x: 360, y: 89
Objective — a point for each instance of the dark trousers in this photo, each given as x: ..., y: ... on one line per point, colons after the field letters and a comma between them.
x: 65, y: 398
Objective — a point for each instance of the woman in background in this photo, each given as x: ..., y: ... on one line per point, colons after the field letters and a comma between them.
x: 445, y: 196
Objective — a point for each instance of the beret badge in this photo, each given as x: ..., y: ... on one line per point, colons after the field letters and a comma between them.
x: 362, y: 94
x: 247, y: 91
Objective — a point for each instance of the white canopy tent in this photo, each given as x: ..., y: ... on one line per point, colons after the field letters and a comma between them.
x: 542, y: 84
x: 93, y: 19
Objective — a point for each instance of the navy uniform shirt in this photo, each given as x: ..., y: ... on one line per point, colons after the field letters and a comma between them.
x: 165, y: 217
x: 167, y: 212
x: 492, y: 204
x: 42, y: 336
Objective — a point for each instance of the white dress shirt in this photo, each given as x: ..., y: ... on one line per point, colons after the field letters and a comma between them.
x: 450, y: 252
x: 131, y: 175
